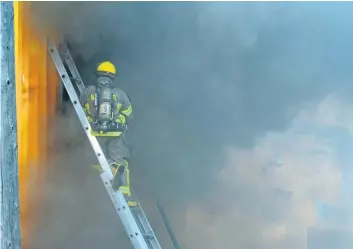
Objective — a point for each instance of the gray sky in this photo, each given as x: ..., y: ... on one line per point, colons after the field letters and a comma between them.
x: 242, y: 110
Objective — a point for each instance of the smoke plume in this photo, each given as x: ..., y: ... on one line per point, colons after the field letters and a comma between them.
x: 239, y: 114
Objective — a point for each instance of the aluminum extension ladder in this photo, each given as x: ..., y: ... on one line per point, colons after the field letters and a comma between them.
x: 133, y: 218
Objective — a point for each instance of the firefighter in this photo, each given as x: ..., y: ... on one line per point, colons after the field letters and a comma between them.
x: 109, y: 111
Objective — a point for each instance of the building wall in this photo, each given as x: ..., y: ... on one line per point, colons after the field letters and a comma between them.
x: 36, y: 97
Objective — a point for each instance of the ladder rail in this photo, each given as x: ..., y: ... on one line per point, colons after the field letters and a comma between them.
x: 141, y: 216
x: 72, y: 67
x: 128, y: 219
x: 79, y: 110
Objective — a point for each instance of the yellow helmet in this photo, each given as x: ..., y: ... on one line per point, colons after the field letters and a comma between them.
x: 106, y: 68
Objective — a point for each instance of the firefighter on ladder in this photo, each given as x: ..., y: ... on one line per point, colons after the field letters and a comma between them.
x: 109, y: 112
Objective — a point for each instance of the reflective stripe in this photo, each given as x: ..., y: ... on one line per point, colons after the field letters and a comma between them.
x: 126, y: 189
x: 127, y: 165
x: 118, y: 107
x: 92, y: 96
x: 87, y: 109
x: 88, y: 113
x: 127, y: 111
x: 120, y: 119
x: 108, y: 134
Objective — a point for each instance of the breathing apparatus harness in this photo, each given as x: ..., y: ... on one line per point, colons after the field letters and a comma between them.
x: 103, y: 102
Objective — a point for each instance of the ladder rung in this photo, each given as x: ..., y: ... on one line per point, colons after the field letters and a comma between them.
x: 135, y: 209
x: 78, y: 81
x: 148, y: 235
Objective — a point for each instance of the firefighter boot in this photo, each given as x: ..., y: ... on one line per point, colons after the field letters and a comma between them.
x: 117, y: 181
x: 121, y: 182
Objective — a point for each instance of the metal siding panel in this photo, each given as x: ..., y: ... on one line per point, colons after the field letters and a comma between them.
x: 9, y: 234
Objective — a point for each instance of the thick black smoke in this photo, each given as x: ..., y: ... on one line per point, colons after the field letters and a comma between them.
x: 206, y: 76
